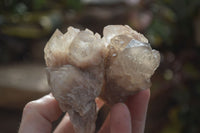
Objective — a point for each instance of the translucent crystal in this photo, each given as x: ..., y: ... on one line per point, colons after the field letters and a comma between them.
x: 57, y: 48
x: 75, y: 74
x: 132, y: 65
x: 76, y: 92
x: 85, y: 49
x: 82, y: 66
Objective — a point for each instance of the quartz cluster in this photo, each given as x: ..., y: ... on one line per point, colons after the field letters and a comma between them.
x: 82, y: 66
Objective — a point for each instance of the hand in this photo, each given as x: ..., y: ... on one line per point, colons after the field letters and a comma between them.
x: 123, y: 118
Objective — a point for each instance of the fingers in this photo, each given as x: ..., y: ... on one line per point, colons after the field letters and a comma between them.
x: 38, y: 115
x: 65, y: 126
x: 120, y: 119
x: 138, y: 104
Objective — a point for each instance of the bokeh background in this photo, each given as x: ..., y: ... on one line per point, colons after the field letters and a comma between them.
x: 172, y: 27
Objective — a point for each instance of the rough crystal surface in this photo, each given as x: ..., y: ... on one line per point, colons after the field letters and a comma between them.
x: 75, y: 74
x: 82, y: 66
x: 76, y: 92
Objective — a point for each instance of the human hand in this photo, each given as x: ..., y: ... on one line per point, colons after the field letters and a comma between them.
x: 38, y: 116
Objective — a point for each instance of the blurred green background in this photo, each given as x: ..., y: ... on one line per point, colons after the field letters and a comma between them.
x: 172, y: 27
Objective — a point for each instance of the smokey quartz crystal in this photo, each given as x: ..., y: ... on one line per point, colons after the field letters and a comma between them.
x: 82, y: 66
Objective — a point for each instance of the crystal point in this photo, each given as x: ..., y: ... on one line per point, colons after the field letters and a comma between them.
x: 82, y: 66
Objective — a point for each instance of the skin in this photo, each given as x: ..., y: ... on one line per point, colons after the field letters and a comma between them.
x: 130, y: 117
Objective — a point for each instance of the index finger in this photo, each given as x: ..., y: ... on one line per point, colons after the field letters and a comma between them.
x: 39, y: 114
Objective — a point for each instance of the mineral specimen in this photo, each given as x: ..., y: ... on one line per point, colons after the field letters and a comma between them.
x: 82, y: 66
x: 75, y: 74
x: 129, y: 64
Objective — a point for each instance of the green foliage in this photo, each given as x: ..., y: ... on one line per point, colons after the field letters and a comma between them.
x: 159, y: 32
x: 172, y: 19
x: 39, y: 4
x: 172, y: 30
x: 175, y: 125
x: 23, y: 6
x: 73, y: 4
